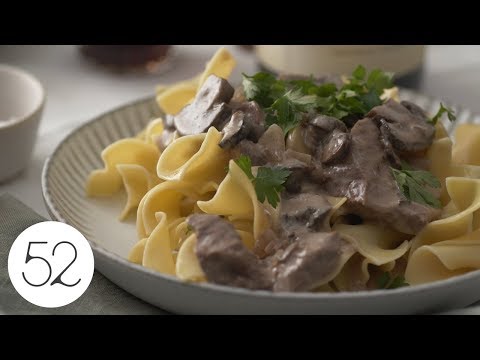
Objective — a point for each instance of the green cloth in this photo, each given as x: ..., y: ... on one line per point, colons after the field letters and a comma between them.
x: 101, y: 298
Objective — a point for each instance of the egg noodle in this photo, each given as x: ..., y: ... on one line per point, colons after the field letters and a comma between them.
x: 194, y: 175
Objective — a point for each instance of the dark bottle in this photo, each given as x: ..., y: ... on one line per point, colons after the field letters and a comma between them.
x: 122, y: 58
x: 406, y: 61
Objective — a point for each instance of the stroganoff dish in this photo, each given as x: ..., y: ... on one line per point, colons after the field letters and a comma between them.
x: 298, y: 184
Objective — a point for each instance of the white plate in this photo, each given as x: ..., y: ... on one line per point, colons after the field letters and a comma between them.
x: 63, y: 183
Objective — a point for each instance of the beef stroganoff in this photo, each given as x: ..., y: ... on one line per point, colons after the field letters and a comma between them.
x: 298, y: 184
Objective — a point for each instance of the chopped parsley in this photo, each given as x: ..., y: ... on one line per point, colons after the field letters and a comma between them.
x: 414, y: 185
x: 443, y: 109
x: 269, y: 181
x: 385, y: 281
x: 285, y: 101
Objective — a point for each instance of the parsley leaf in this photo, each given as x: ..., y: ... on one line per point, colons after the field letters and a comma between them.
x: 308, y: 87
x: 188, y: 230
x: 359, y: 73
x: 268, y: 183
x: 385, y: 281
x: 413, y: 185
x: 262, y: 87
x: 285, y: 102
x: 245, y: 163
x: 287, y: 110
x: 398, y: 281
x: 379, y: 80
x: 443, y: 109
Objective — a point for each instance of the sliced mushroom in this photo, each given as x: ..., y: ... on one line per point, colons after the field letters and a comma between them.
x: 335, y: 147
x: 234, y: 131
x: 318, y: 129
x: 209, y: 108
x: 300, y: 164
x: 165, y: 138
x: 169, y: 122
x: 390, y: 153
x: 247, y: 122
x: 270, y: 148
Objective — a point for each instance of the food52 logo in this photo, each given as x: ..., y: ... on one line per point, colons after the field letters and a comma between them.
x: 50, y: 264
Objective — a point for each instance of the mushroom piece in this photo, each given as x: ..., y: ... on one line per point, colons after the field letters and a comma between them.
x: 165, y: 138
x: 208, y: 109
x: 235, y: 130
x: 319, y: 128
x: 247, y: 122
x: 335, y: 147
x: 270, y: 148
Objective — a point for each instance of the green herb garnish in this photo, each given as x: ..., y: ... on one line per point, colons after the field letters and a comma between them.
x: 414, y: 185
x: 285, y: 101
x: 245, y: 163
x: 188, y: 230
x: 386, y: 282
x: 287, y: 110
x: 443, y: 109
x: 262, y: 87
x: 268, y: 183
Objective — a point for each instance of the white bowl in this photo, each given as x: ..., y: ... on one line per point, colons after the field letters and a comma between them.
x: 22, y: 98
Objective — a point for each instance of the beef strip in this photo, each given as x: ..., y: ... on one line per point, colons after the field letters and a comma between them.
x: 405, y: 125
x: 223, y: 257
x: 313, y: 255
x: 208, y: 109
x: 366, y: 179
x: 302, y: 265
x: 304, y: 210
x: 311, y: 261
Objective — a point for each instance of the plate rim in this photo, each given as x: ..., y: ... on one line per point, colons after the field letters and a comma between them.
x: 320, y: 296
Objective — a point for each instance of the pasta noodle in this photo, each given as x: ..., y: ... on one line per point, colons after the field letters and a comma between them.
x: 466, y: 150
x: 187, y: 267
x: 108, y: 181
x: 158, y: 252
x: 137, y: 181
x: 444, y: 259
x: 236, y: 197
x: 194, y: 159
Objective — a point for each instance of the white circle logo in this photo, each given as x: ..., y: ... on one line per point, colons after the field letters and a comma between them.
x: 50, y: 264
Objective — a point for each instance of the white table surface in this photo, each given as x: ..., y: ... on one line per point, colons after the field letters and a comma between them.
x: 78, y: 91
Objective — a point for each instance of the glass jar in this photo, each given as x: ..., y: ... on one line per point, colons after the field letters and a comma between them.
x: 124, y: 58
x: 406, y: 61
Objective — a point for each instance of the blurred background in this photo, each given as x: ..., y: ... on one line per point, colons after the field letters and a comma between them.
x: 84, y: 81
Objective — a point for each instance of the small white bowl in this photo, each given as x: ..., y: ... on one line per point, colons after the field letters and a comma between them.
x: 22, y: 99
